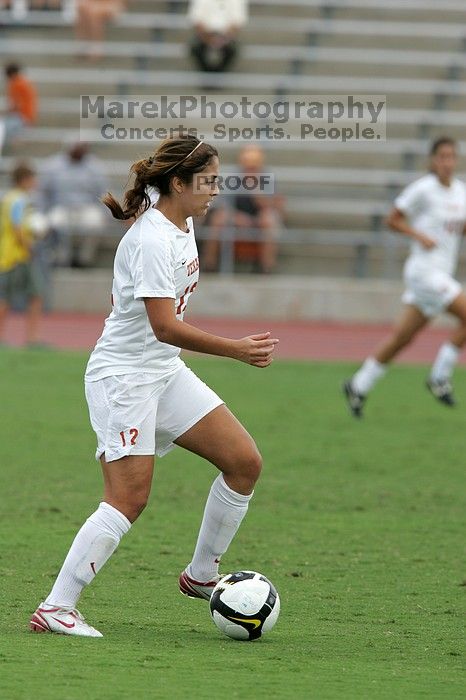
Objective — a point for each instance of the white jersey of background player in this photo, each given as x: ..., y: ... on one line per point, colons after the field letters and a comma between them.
x: 432, y: 213
x: 440, y: 213
x: 143, y: 399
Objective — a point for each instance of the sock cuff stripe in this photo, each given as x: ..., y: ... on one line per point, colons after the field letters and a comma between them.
x: 228, y: 493
x: 116, y: 515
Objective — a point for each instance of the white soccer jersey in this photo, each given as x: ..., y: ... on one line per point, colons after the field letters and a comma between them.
x: 154, y: 259
x: 218, y: 15
x: 440, y: 213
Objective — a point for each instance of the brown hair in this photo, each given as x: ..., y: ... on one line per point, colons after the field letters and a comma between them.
x: 442, y: 141
x: 12, y: 69
x: 21, y: 172
x: 181, y: 156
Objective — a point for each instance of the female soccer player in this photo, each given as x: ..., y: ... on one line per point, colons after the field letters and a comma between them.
x: 143, y: 399
x: 432, y: 212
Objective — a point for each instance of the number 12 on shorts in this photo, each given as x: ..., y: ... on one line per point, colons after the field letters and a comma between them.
x: 133, y: 433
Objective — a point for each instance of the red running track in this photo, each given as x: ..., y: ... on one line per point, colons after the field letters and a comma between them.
x: 298, y: 340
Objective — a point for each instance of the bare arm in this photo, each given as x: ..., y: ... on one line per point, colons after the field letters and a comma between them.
x: 254, y: 350
x: 397, y: 221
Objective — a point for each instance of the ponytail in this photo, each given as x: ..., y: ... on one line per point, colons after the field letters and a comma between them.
x: 136, y: 201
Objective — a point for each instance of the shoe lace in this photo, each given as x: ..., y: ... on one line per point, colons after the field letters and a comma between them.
x: 79, y: 615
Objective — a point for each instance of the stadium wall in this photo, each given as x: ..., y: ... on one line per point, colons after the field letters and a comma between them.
x: 248, y: 296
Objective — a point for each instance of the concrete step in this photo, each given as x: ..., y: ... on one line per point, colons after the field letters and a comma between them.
x: 353, y: 155
x: 183, y: 62
x: 383, y: 12
x: 391, y: 42
x: 338, y: 261
x: 330, y: 220
x: 346, y: 67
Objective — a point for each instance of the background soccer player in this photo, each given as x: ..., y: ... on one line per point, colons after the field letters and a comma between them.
x: 432, y: 213
x: 143, y: 399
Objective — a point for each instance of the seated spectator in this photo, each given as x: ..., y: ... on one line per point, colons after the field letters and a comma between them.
x: 259, y: 216
x: 70, y: 186
x: 21, y: 105
x: 19, y: 278
x: 91, y: 19
x: 216, y: 24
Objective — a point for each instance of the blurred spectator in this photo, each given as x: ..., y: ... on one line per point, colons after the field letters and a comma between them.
x: 21, y: 105
x: 91, y: 19
x: 216, y: 23
x: 19, y: 277
x: 259, y: 215
x: 70, y: 186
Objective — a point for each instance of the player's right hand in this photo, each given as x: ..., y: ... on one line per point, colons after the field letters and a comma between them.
x: 256, y: 350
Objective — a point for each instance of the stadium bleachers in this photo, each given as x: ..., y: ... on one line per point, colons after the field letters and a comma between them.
x: 412, y: 51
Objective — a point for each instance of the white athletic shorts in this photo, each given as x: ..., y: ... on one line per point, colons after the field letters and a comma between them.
x: 141, y: 414
x: 431, y: 291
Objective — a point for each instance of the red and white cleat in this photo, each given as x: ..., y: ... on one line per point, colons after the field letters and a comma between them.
x: 61, y: 621
x: 196, y: 589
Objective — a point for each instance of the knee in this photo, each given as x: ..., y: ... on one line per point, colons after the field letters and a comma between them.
x: 249, y: 466
x: 265, y: 220
x: 256, y: 464
x: 133, y: 506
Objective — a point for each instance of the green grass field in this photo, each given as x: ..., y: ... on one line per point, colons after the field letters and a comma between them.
x: 359, y: 525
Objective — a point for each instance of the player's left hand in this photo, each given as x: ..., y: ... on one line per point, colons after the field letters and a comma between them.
x: 257, y: 350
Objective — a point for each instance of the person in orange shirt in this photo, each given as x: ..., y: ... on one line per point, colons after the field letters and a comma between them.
x: 22, y: 104
x: 22, y: 95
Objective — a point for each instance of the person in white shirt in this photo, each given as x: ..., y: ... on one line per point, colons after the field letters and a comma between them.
x: 216, y: 24
x: 142, y: 398
x: 431, y: 212
x: 70, y: 185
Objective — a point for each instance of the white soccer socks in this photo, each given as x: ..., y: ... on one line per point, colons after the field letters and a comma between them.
x: 446, y: 359
x: 223, y: 514
x: 101, y: 533
x: 368, y: 374
x: 93, y: 545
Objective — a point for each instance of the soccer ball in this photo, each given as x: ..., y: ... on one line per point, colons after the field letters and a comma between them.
x: 37, y: 224
x: 244, y: 605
